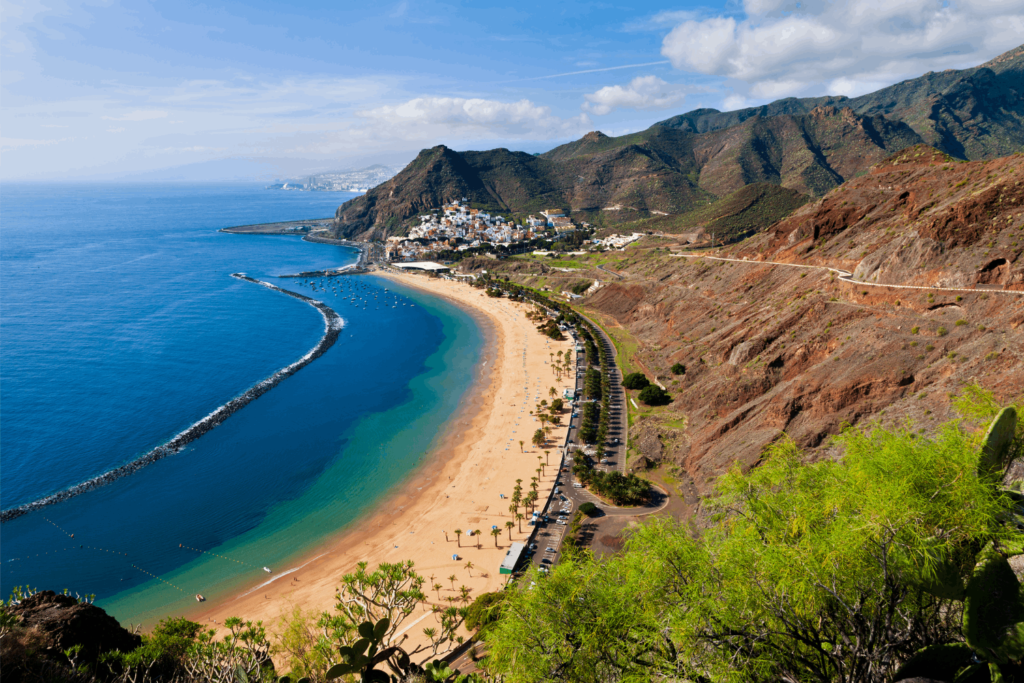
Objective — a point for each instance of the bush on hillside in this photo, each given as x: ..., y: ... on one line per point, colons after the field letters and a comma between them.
x: 678, y: 369
x: 635, y: 380
x: 653, y: 395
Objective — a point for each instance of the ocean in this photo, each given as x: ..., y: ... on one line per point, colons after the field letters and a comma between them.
x: 120, y: 326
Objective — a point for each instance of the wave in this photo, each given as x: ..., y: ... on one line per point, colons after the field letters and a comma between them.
x: 333, y: 325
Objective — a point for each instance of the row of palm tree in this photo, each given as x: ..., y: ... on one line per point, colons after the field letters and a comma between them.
x: 562, y: 366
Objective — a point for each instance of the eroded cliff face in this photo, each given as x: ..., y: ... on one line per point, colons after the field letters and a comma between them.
x: 776, y: 349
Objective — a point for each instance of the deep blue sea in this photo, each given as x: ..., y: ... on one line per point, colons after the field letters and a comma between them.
x: 120, y: 326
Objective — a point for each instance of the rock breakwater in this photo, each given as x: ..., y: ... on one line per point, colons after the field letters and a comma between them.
x: 333, y: 324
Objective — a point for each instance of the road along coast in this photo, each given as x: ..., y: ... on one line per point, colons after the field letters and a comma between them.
x: 332, y: 327
x: 467, y: 484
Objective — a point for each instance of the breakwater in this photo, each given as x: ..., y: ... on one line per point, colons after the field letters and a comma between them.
x: 361, y: 246
x: 332, y: 328
x: 330, y: 272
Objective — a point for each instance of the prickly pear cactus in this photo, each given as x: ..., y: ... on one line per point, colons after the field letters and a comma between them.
x: 993, y: 609
x: 363, y: 655
x: 997, y: 441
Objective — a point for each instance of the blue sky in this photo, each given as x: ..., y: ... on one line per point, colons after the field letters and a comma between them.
x: 110, y: 88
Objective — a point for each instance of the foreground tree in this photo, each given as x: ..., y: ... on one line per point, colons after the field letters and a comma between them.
x: 830, y: 571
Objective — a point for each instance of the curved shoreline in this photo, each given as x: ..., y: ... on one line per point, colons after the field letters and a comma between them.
x: 332, y: 328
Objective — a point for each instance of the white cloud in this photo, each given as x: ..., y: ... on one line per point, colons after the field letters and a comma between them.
x: 643, y: 92
x: 138, y: 115
x: 424, y: 117
x: 734, y: 102
x: 791, y: 47
x: 15, y: 143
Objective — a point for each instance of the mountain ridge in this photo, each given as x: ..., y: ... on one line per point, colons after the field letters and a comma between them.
x: 676, y: 166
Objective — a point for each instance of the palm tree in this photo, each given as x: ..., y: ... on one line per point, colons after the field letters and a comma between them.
x: 464, y: 592
x: 552, y: 392
x: 495, y: 533
x: 458, y: 536
x: 514, y: 507
x: 438, y: 588
x: 547, y: 454
x: 520, y: 446
x: 452, y: 579
x: 477, y: 533
x: 469, y: 568
x: 509, y: 525
x: 519, y: 518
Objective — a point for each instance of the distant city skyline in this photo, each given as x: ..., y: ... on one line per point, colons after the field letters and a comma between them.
x: 121, y: 89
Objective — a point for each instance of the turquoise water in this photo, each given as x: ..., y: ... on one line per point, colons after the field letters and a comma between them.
x: 121, y: 326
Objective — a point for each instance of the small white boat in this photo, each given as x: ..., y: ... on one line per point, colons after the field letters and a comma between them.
x: 267, y: 570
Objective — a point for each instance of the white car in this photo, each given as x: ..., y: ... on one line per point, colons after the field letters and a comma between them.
x: 560, y: 521
x: 551, y: 550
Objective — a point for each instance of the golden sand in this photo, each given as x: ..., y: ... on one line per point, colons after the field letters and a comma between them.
x: 472, y: 471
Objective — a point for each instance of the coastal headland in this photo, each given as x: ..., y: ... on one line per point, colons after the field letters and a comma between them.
x: 466, y: 485
x: 282, y: 228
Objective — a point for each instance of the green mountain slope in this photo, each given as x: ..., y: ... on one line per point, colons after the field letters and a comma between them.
x: 687, y: 162
x: 735, y: 215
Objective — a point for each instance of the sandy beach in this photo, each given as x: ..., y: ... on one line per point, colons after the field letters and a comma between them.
x: 461, y: 487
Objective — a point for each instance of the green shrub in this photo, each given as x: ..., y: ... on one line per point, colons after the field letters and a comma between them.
x: 653, y: 395
x: 678, y: 369
x: 484, y: 611
x: 589, y: 509
x: 898, y: 546
x: 942, y: 331
x: 635, y: 380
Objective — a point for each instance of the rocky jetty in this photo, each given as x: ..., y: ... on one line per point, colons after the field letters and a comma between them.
x: 332, y: 327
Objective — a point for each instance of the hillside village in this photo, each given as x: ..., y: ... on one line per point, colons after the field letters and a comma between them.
x: 458, y: 227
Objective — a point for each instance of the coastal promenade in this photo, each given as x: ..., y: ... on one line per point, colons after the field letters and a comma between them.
x: 467, y: 485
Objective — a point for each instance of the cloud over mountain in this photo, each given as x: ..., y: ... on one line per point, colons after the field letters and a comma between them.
x: 421, y: 117
x: 643, y: 92
x: 789, y: 47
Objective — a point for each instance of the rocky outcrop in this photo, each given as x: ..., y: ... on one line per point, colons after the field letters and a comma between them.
x: 55, y: 623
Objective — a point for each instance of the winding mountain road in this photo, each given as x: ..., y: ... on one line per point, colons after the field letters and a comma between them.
x: 847, y: 276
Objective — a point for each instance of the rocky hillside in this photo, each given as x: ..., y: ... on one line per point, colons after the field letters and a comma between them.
x: 689, y: 161
x: 772, y: 349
